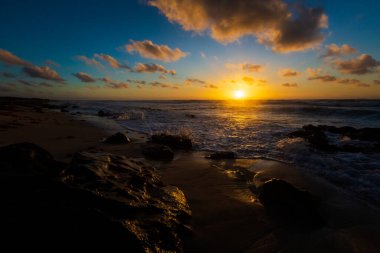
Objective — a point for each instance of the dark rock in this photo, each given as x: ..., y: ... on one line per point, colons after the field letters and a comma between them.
x: 64, y: 110
x: 191, y: 116
x: 158, y: 152
x: 118, y: 138
x: 316, y: 137
x: 290, y: 206
x: 99, y: 203
x: 28, y: 158
x: 102, y: 113
x: 173, y: 141
x: 222, y: 155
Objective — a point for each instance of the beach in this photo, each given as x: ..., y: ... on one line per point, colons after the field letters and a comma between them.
x: 226, y: 213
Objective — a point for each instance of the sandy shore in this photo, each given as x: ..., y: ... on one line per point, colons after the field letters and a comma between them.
x: 226, y: 215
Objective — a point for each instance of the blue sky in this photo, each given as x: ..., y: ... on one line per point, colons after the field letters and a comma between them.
x: 60, y: 31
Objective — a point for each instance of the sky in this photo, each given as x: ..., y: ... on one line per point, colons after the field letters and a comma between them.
x: 190, y: 49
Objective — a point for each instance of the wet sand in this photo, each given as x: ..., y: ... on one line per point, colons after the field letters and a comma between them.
x: 226, y: 215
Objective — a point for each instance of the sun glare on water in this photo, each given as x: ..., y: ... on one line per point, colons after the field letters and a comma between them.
x: 239, y: 94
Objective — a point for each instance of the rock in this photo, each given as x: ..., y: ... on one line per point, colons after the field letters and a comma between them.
x: 118, y: 138
x: 28, y: 158
x: 222, y: 155
x: 102, y: 113
x: 173, y: 141
x: 64, y: 110
x: 99, y: 203
x: 316, y: 137
x: 290, y: 206
x: 191, y: 116
x: 158, y: 152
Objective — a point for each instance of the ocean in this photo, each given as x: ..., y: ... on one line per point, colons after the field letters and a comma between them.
x: 259, y: 129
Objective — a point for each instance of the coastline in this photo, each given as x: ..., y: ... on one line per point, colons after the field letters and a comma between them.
x: 224, y: 218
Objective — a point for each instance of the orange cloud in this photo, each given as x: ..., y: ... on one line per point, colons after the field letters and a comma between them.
x: 44, y: 72
x: 248, y: 67
x: 361, y: 65
x: 153, y: 68
x: 89, y: 61
x: 289, y: 73
x: 109, y: 83
x: 335, y: 50
x: 148, y: 49
x: 11, y: 59
x: 111, y: 61
x: 290, y: 85
x: 273, y: 22
x: 84, y: 77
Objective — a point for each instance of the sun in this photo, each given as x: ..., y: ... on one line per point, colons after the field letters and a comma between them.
x: 239, y: 94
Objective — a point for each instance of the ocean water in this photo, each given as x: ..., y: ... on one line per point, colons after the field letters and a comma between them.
x: 259, y: 129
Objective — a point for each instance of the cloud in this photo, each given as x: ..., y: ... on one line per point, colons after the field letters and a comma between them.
x: 7, y: 75
x: 203, y: 55
x: 290, y: 85
x: 89, y: 61
x: 84, y: 77
x: 335, y: 50
x: 109, y: 83
x: 248, y: 80
x: 164, y: 85
x: 198, y: 82
x: 324, y: 78
x: 289, y: 73
x: 35, y: 84
x: 191, y: 81
x: 361, y: 65
x: 27, y: 83
x: 148, y: 49
x: 152, y: 68
x: 317, y: 74
x: 273, y: 23
x: 249, y: 67
x: 52, y: 63
x: 44, y: 72
x: 111, y: 61
x: 136, y: 81
x: 11, y: 59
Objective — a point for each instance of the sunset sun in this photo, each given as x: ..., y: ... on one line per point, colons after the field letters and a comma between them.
x: 239, y: 94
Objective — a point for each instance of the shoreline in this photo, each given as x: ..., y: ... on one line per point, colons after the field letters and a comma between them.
x: 225, y: 217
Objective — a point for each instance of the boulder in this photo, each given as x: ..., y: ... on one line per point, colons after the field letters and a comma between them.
x: 118, y: 138
x: 173, y: 141
x: 317, y: 138
x: 290, y: 206
x: 222, y: 155
x: 98, y: 203
x: 28, y: 158
x: 102, y: 113
x: 158, y: 152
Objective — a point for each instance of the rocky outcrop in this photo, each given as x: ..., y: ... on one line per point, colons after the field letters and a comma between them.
x: 346, y: 139
x: 222, y: 155
x: 290, y: 206
x: 98, y: 203
x: 118, y: 138
x: 158, y: 152
x: 102, y: 113
x: 173, y: 141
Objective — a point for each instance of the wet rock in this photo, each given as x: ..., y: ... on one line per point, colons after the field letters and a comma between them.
x: 118, y: 138
x: 222, y: 155
x: 191, y: 116
x: 99, y: 203
x: 173, y: 141
x: 317, y: 136
x: 290, y: 206
x: 64, y: 110
x: 158, y: 152
x: 102, y: 113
